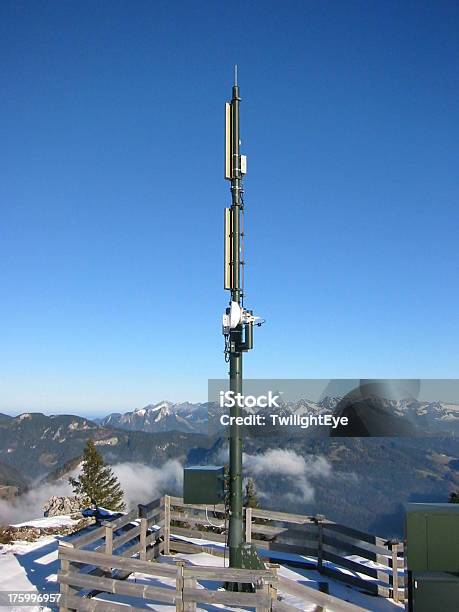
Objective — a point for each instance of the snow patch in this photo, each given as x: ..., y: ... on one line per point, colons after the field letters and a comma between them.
x: 34, y: 565
x: 51, y: 521
x: 107, y: 442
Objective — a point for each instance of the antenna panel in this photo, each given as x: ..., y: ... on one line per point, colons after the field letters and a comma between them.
x: 228, y: 276
x: 228, y: 164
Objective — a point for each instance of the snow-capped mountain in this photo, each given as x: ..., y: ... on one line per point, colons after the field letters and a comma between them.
x: 433, y: 416
x: 203, y: 417
x: 165, y: 416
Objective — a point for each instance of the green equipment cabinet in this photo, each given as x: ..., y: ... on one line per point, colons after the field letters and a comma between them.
x: 204, y: 484
x: 432, y: 557
x: 435, y: 592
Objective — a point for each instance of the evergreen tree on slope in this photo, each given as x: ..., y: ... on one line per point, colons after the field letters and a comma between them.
x: 97, y: 481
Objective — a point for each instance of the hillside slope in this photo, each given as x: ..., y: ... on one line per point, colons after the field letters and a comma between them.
x: 10, y: 476
x: 37, y: 444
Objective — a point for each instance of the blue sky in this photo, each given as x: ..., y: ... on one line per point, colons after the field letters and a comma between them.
x: 111, y: 129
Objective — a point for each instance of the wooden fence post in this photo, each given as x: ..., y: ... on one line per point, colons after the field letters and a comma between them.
x: 272, y: 588
x: 64, y: 589
x: 179, y: 584
x: 263, y: 591
x: 191, y: 583
x: 248, y: 524
x: 167, y: 525
x: 108, y: 540
x: 108, y: 545
x: 320, y: 541
x: 394, y: 548
x: 143, y: 531
x: 143, y: 539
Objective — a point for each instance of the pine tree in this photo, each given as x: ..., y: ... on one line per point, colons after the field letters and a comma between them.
x: 250, y: 495
x: 454, y: 498
x: 97, y: 481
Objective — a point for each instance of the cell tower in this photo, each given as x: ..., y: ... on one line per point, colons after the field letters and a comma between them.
x: 206, y: 484
x: 237, y: 322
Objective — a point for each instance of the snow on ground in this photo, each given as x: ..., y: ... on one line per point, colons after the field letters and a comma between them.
x: 51, y: 521
x: 29, y: 566
x: 33, y: 566
x: 311, y: 578
x: 305, y: 577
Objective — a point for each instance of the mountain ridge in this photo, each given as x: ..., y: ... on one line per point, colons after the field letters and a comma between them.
x: 187, y: 417
x: 366, y: 481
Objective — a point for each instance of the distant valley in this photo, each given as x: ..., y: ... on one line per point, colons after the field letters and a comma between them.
x: 357, y: 481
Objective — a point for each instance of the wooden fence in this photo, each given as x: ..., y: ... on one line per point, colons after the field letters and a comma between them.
x: 184, y: 594
x: 336, y: 551
x: 100, y: 560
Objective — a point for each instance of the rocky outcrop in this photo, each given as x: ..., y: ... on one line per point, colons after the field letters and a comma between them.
x: 29, y: 533
x: 56, y: 506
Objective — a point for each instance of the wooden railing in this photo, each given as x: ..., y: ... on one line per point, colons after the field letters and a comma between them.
x: 100, y: 559
x: 184, y: 595
x: 140, y: 533
x: 326, y: 545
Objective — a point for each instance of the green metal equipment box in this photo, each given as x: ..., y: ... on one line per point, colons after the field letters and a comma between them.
x: 204, y: 484
x: 432, y: 557
x: 435, y: 591
x: 432, y: 536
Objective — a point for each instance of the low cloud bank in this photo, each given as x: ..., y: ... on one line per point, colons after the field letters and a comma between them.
x: 30, y: 505
x: 140, y: 483
x: 143, y: 483
x: 297, y: 470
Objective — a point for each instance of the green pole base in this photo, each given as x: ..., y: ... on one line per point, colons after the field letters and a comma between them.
x: 245, y: 556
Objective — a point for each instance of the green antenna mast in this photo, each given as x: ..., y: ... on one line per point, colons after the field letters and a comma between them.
x: 237, y: 322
